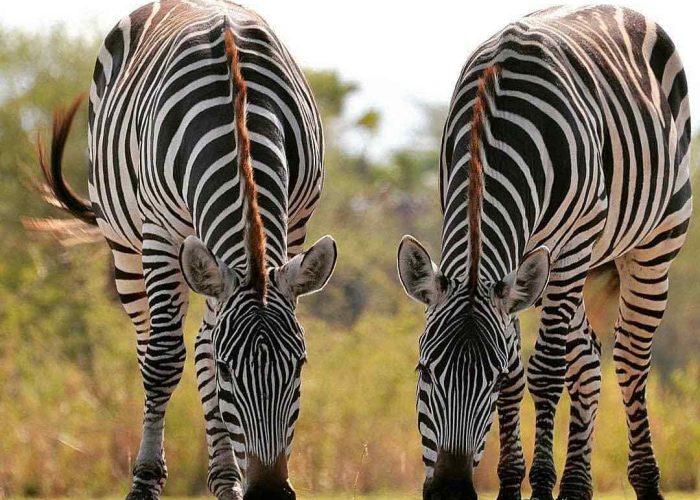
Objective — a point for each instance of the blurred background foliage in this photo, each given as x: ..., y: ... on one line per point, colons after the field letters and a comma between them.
x: 70, y: 391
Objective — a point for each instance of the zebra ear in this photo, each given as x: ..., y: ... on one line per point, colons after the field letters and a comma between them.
x: 521, y: 288
x: 419, y: 274
x: 203, y: 272
x: 309, y: 271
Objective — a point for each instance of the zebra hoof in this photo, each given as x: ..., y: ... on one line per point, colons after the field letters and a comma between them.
x: 235, y: 493
x: 149, y: 480
x: 142, y: 494
x: 575, y: 492
x: 653, y: 494
x: 575, y: 496
x: 541, y: 495
x: 509, y: 494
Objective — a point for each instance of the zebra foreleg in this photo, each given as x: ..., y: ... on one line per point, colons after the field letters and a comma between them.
x: 511, y: 465
x: 164, y: 356
x: 583, y: 384
x: 547, y: 365
x: 224, y: 477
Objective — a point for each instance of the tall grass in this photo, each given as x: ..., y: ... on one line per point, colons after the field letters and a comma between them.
x: 71, y: 426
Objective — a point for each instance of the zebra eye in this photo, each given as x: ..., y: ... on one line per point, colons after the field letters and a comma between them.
x: 424, y: 372
x: 224, y: 371
x: 300, y: 365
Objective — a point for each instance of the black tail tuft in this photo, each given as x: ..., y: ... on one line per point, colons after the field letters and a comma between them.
x: 60, y: 193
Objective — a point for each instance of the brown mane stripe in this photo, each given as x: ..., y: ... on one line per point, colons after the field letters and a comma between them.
x: 475, y: 198
x: 255, y: 234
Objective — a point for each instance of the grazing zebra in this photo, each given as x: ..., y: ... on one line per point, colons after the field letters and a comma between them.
x: 566, y: 147
x: 206, y: 151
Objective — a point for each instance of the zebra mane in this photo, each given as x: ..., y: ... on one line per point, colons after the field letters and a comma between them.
x: 254, y: 231
x: 475, y: 201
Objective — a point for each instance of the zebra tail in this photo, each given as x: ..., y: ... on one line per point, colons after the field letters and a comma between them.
x: 57, y: 190
x: 255, y: 234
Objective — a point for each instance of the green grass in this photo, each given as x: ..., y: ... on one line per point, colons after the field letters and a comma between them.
x: 624, y: 495
x: 487, y: 496
x: 629, y: 495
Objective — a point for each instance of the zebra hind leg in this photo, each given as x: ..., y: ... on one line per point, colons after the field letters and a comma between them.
x: 583, y: 380
x: 129, y: 280
x: 224, y: 477
x: 643, y: 297
x: 163, y: 359
x: 511, y: 465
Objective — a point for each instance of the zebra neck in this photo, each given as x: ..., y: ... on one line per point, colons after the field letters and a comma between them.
x: 218, y: 214
x: 505, y: 233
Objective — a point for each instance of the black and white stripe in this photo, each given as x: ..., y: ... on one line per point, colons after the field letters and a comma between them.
x: 584, y: 135
x: 163, y: 149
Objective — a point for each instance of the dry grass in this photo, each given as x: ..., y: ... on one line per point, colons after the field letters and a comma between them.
x: 486, y: 496
x: 404, y: 496
x: 490, y: 496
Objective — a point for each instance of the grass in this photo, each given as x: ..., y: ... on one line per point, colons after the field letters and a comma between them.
x: 624, y: 495
x: 489, y: 496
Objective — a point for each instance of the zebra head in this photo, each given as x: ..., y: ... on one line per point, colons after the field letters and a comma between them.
x: 469, y: 338
x: 259, y: 350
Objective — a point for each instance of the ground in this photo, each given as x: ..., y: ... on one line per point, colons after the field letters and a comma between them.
x: 629, y: 495
x: 624, y: 495
x: 388, y: 496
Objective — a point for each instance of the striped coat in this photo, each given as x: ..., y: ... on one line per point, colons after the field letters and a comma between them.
x: 566, y: 147
x: 206, y: 163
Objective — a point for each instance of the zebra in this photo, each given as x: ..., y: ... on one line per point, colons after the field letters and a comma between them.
x: 566, y: 148
x: 206, y: 162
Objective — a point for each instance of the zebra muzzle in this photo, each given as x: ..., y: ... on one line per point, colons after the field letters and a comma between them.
x: 452, y: 478
x: 268, y: 482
